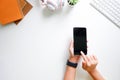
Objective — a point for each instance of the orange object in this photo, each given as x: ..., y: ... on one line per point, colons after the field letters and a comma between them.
x: 25, y: 9
x: 22, y: 3
x: 10, y: 11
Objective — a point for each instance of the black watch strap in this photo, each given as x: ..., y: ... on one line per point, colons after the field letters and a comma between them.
x: 71, y: 64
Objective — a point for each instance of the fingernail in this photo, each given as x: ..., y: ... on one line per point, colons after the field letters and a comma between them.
x: 81, y: 52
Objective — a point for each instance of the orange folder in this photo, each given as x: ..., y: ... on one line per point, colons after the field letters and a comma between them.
x: 25, y: 9
x: 10, y: 11
x: 22, y: 3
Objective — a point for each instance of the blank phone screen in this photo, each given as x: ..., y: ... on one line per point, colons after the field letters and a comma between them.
x: 80, y: 40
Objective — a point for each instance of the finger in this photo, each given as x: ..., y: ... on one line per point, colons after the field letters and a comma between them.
x: 71, y: 48
x: 91, y: 57
x: 83, y: 64
x: 88, y: 58
x: 83, y: 56
x: 71, y: 44
x: 94, y: 57
x: 92, y: 61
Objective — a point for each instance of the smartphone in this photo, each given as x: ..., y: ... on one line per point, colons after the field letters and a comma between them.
x: 80, y: 40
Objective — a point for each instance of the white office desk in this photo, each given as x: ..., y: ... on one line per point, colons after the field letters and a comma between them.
x: 37, y: 48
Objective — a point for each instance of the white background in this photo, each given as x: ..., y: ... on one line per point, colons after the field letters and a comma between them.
x: 37, y: 48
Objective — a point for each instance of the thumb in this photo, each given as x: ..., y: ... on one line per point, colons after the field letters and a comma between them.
x: 83, y: 64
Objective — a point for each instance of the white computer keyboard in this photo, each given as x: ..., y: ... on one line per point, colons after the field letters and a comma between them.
x: 109, y: 8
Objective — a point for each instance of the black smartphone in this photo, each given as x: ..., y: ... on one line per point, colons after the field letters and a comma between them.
x: 80, y: 40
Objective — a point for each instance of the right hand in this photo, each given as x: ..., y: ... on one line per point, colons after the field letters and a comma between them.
x: 89, y: 63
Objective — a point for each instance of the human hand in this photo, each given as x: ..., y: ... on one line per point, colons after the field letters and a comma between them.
x: 73, y: 58
x: 89, y: 63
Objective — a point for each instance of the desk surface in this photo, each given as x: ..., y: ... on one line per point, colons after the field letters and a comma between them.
x: 37, y: 48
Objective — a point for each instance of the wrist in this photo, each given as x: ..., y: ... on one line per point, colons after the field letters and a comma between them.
x: 73, y: 60
x: 96, y: 75
x: 94, y: 71
x: 71, y: 64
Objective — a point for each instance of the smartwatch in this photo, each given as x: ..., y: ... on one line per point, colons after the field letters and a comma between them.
x: 71, y: 64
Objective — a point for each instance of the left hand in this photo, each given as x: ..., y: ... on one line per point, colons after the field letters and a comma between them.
x: 73, y: 58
